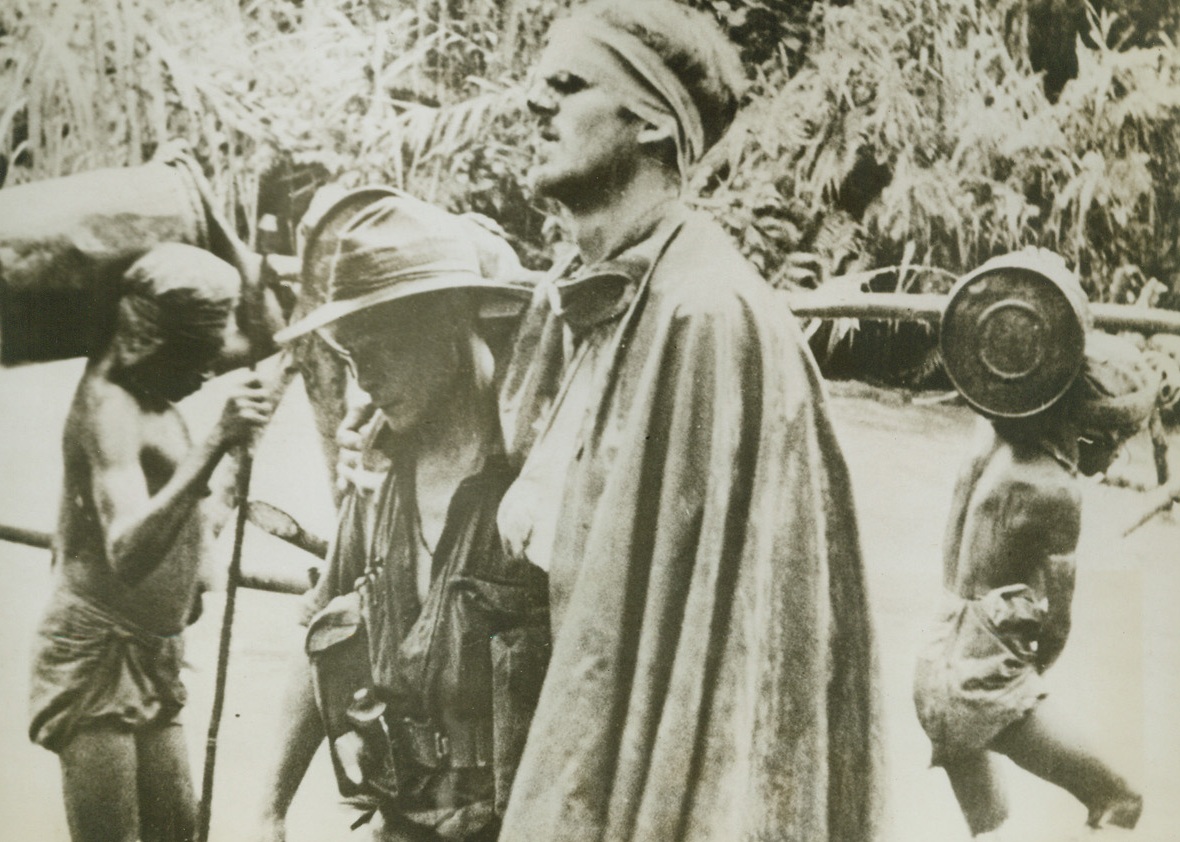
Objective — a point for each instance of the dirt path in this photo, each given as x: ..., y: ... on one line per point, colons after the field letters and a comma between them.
x: 1119, y: 673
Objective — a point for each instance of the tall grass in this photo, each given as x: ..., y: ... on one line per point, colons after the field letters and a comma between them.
x: 936, y: 102
x: 104, y: 82
x: 878, y: 133
x: 421, y: 94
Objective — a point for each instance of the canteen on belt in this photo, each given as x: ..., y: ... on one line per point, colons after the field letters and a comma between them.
x: 1013, y: 333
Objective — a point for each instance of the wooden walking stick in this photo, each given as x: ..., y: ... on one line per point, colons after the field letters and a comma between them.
x: 242, y: 498
x: 324, y: 379
x: 227, y: 621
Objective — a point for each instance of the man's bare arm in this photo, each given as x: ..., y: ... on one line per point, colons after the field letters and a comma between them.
x: 1060, y: 575
x: 139, y: 528
x: 1045, y: 529
x: 221, y: 501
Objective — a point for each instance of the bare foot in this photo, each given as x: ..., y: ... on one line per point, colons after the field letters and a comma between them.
x: 1122, y: 813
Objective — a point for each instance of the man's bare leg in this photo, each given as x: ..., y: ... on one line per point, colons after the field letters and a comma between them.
x: 98, y: 781
x: 979, y: 791
x: 1044, y: 744
x: 167, y: 806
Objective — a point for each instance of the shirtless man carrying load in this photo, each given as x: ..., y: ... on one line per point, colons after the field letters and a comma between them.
x: 106, y: 690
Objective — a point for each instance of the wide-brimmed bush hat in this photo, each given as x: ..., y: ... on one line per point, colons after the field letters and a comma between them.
x: 396, y: 246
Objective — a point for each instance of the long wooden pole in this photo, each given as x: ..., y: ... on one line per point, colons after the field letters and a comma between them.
x: 28, y: 537
x: 1160, y: 501
x: 272, y: 584
x: 901, y: 306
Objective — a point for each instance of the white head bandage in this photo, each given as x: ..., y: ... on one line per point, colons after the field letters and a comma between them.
x: 612, y: 58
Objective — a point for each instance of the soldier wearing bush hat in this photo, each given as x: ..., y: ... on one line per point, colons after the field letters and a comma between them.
x: 395, y: 248
x: 440, y: 629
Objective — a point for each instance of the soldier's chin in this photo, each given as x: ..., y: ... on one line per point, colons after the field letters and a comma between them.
x: 548, y: 183
x: 572, y: 192
x: 537, y: 181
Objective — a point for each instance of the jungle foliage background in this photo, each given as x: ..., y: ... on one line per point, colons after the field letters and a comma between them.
x: 922, y: 135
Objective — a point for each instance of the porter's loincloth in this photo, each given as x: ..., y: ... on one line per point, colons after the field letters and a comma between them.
x: 92, y: 667
x: 978, y: 674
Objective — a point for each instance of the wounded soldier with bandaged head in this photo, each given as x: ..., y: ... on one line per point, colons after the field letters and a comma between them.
x: 106, y: 690
x: 1009, y: 572
x: 712, y: 676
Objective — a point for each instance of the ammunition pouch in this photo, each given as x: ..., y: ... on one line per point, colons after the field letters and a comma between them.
x: 337, y: 647
x: 459, y: 685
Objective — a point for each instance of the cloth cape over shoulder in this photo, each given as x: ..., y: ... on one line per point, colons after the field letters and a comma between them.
x: 713, y: 675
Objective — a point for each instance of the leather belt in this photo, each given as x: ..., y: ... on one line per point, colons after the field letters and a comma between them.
x: 463, y: 748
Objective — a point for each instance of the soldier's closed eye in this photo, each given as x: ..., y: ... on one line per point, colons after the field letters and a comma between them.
x: 566, y: 82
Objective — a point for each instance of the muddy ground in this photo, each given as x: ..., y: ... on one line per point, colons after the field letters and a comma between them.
x: 1119, y: 675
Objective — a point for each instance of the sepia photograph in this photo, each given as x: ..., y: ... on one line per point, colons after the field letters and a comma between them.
x: 590, y: 420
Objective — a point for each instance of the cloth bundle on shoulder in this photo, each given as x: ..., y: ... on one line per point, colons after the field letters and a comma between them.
x: 66, y: 242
